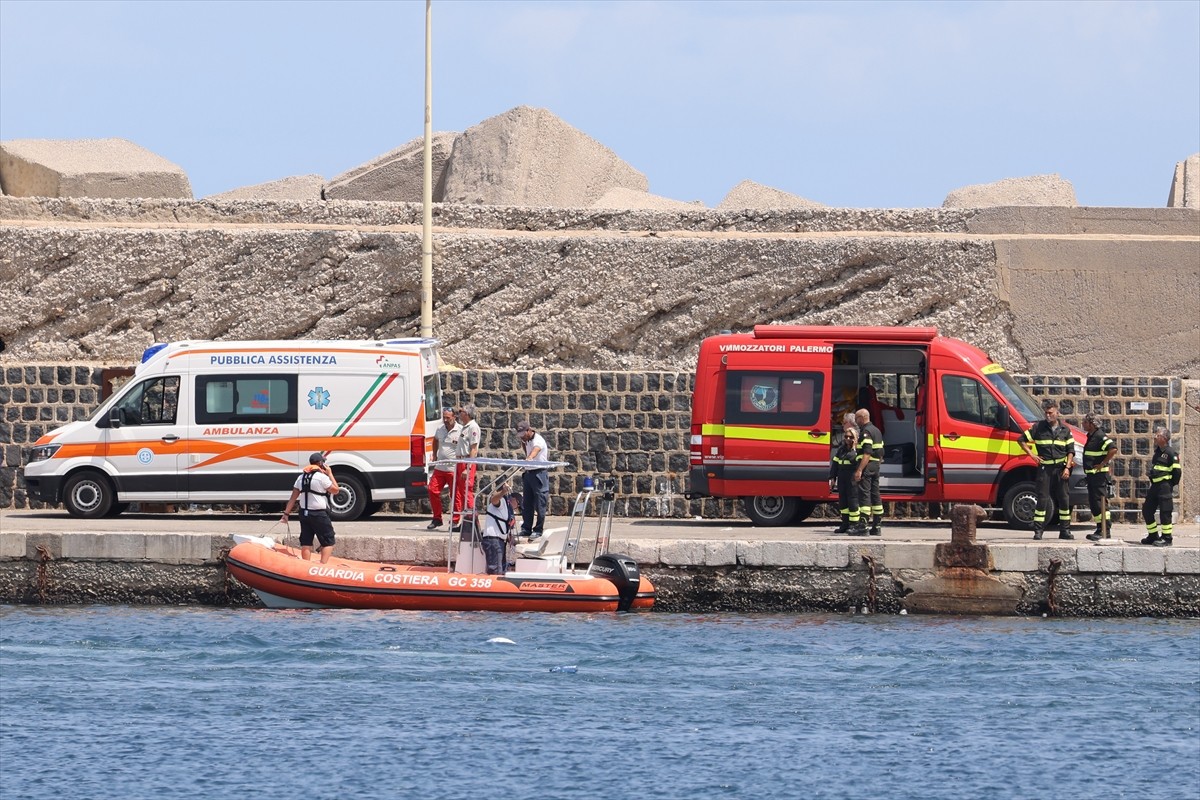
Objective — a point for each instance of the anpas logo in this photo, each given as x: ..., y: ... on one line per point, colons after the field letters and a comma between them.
x: 145, y: 455
x: 318, y: 397
x: 386, y: 363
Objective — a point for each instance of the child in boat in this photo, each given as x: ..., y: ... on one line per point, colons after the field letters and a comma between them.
x: 497, y: 521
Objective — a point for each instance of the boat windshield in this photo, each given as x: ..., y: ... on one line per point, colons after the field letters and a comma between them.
x: 1016, y: 395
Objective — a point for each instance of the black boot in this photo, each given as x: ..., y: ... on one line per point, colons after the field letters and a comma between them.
x: 1151, y: 538
x: 1063, y: 533
x: 1163, y: 542
x: 1037, y: 533
x: 875, y: 531
x: 858, y: 529
x: 1095, y: 535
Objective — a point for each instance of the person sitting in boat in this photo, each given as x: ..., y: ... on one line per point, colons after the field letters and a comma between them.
x: 497, y: 522
x: 312, y: 490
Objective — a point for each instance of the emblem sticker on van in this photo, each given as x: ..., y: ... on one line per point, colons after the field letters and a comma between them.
x: 145, y: 455
x: 318, y: 397
x: 764, y: 398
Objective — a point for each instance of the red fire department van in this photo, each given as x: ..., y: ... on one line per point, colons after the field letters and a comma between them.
x: 768, y: 407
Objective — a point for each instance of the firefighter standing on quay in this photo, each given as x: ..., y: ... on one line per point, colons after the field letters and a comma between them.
x: 1097, y: 452
x: 1049, y: 442
x: 841, y: 477
x: 870, y: 449
x: 1164, y: 477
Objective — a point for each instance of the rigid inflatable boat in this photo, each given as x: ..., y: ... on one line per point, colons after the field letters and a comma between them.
x: 544, y: 580
x: 281, y: 579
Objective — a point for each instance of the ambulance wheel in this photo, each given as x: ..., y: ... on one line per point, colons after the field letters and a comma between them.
x: 771, y: 511
x: 350, y: 501
x: 1020, y: 501
x: 88, y: 495
x: 804, y: 510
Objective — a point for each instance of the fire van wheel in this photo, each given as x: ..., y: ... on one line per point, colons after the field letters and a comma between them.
x: 88, y: 495
x: 804, y: 510
x: 771, y: 511
x: 350, y: 502
x: 1020, y: 501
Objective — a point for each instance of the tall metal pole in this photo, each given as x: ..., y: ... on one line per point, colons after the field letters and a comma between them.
x: 427, y: 188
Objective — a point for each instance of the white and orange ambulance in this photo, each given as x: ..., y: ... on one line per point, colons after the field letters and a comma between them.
x: 234, y: 422
x: 768, y: 405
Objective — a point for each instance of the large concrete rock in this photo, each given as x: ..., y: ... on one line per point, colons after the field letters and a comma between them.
x: 398, y: 176
x: 529, y: 157
x: 1035, y: 190
x: 628, y: 198
x: 1185, y: 188
x: 297, y: 187
x: 87, y: 168
x: 757, y: 197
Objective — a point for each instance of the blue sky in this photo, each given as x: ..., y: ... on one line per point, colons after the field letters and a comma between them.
x: 856, y: 104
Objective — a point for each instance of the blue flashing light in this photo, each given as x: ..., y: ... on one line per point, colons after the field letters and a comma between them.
x: 149, y: 352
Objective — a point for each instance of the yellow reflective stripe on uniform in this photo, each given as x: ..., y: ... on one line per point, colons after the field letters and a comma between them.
x: 982, y: 444
x: 757, y: 434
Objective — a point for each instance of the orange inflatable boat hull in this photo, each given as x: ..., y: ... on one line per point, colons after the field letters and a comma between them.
x: 283, y: 580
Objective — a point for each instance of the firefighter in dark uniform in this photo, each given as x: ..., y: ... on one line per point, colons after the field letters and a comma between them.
x: 1050, y: 443
x: 1097, y: 452
x: 841, y: 477
x: 866, y: 474
x: 1164, y: 477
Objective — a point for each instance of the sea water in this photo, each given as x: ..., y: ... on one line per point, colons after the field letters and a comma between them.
x: 121, y: 702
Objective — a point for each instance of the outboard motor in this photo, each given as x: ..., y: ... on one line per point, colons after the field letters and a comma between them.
x: 623, y: 572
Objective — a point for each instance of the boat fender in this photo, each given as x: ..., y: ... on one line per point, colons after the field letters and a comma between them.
x: 622, y: 572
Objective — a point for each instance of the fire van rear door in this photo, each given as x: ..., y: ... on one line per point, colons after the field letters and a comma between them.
x: 776, y: 427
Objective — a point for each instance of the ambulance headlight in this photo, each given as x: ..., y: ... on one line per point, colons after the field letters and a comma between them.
x: 42, y: 452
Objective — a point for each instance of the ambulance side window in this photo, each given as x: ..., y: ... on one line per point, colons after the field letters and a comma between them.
x: 793, y: 399
x: 152, y: 402
x: 968, y: 400
x: 245, y: 398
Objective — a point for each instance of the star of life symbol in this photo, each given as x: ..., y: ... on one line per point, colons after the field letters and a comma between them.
x: 764, y: 398
x: 318, y: 398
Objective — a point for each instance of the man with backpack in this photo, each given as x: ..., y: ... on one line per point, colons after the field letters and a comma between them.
x: 312, y: 490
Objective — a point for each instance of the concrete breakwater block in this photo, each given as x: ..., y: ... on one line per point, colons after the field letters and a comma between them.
x: 1034, y: 190
x: 959, y: 590
x: 115, y: 168
x: 397, y: 176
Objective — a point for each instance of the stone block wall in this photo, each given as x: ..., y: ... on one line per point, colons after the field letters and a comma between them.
x: 631, y: 426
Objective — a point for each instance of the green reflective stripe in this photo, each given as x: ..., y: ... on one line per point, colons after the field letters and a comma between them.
x: 1096, y: 452
x: 1094, y: 471
x: 1049, y: 462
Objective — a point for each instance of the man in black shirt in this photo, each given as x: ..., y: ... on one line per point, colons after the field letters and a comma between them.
x: 1050, y: 443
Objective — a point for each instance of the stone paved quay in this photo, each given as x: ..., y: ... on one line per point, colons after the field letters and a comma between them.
x: 697, y: 565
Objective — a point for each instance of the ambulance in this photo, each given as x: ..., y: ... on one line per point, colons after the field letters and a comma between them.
x: 234, y: 422
x: 768, y: 406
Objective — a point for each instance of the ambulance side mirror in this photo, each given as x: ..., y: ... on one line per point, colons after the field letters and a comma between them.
x: 1003, y: 418
x: 116, y: 417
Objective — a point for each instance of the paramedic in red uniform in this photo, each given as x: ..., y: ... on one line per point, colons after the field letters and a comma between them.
x: 1050, y: 443
x: 442, y: 478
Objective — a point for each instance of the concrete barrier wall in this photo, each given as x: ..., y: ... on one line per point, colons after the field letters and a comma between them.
x: 634, y: 426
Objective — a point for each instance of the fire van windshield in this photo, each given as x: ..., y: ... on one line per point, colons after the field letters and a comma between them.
x: 1015, y: 394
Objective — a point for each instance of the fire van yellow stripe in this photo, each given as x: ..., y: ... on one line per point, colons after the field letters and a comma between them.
x: 756, y: 433
x: 981, y: 444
